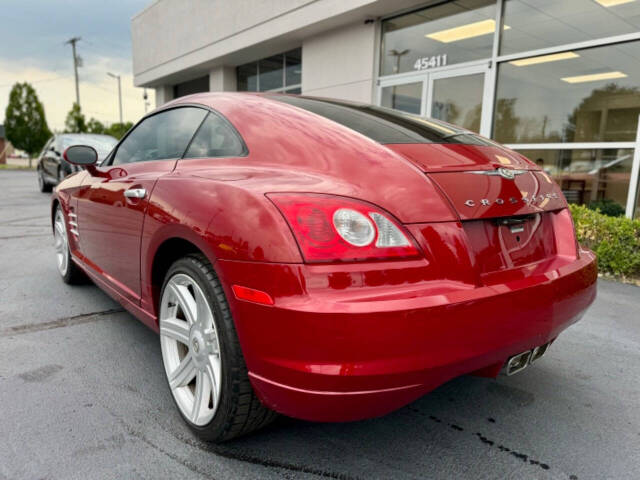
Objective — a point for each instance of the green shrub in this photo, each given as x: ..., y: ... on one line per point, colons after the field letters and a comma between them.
x: 607, y: 207
x: 615, y: 240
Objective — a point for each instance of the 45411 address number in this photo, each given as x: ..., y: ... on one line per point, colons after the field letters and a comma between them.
x: 434, y: 61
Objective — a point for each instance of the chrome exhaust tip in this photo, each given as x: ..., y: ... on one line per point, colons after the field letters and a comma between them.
x: 518, y: 362
x: 537, y: 352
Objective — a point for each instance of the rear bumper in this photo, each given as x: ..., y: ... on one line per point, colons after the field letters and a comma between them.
x: 327, y: 354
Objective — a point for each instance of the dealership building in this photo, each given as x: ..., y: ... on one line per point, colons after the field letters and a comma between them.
x: 557, y: 80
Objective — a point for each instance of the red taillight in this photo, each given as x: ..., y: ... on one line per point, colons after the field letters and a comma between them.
x: 329, y: 228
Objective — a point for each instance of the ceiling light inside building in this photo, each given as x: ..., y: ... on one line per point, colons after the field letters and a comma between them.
x: 613, y: 3
x: 544, y: 59
x: 594, y: 77
x: 463, y: 32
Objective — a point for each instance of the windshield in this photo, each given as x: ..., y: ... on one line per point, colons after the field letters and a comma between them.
x: 384, y: 125
x: 102, y: 143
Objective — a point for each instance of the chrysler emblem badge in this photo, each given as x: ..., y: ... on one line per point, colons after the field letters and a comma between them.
x: 507, y: 173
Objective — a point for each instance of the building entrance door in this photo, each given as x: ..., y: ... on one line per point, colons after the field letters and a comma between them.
x: 455, y: 95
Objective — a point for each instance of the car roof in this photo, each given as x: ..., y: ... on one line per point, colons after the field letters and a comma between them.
x: 83, y: 135
x: 382, y: 125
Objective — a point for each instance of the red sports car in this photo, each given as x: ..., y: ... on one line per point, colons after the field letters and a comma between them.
x: 326, y: 260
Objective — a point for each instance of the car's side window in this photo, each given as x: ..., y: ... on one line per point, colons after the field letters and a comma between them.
x: 164, y: 135
x: 216, y: 138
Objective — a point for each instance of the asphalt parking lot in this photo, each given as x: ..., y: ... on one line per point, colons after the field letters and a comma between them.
x: 83, y: 394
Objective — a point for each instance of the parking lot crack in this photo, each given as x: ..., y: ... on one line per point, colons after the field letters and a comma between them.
x: 61, y: 322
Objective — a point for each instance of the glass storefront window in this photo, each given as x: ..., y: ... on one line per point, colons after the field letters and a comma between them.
x: 192, y: 86
x: 271, y: 73
x: 458, y: 100
x: 247, y: 77
x: 587, y: 176
x: 535, y: 24
x: 405, y: 97
x: 293, y: 61
x: 448, y: 33
x: 590, y: 95
x: 282, y: 72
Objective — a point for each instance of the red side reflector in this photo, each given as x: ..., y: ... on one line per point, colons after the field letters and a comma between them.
x: 251, y: 295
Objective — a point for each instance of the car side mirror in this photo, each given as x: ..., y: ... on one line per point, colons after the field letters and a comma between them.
x: 83, y: 156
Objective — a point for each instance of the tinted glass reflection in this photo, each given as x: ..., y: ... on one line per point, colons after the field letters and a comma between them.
x: 587, y: 176
x: 588, y: 95
x: 164, y: 135
x: 271, y: 74
x: 448, y: 33
x: 293, y: 60
x: 542, y: 23
x: 406, y: 98
x: 384, y: 125
x: 458, y: 100
x: 247, y: 77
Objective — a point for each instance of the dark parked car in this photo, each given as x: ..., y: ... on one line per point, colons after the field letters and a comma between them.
x: 52, y: 168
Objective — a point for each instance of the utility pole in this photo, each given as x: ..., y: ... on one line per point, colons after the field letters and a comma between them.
x: 113, y: 75
x: 76, y: 61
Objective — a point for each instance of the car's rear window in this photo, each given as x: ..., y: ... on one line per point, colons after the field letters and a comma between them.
x: 384, y: 125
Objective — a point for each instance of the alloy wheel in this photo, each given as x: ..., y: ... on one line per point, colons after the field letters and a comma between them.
x: 61, y: 242
x: 190, y: 349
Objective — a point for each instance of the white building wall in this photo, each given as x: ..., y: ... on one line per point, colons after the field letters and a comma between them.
x: 176, y: 40
x: 341, y: 63
x: 222, y: 79
x: 175, y: 31
x: 164, y: 93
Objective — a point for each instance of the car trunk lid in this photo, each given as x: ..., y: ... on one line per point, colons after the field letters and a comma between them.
x: 482, y: 182
x: 510, y: 210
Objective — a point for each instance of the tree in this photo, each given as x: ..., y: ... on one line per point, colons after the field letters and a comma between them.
x: 95, y: 126
x: 75, y: 121
x: 118, y: 129
x: 25, y: 123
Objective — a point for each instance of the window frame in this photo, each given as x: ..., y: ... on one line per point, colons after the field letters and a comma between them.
x: 108, y: 161
x: 234, y: 131
x: 285, y: 87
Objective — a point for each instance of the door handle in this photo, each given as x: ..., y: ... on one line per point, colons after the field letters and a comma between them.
x: 135, y: 193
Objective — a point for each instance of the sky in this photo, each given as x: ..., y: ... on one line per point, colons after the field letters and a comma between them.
x: 32, y: 49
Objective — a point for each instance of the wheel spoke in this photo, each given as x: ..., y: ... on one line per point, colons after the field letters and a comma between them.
x: 212, y: 338
x: 176, y: 329
x: 186, y: 301
x: 59, y: 228
x: 184, y: 373
x: 201, y: 396
x: 213, y: 373
x: 60, y: 243
x: 204, y: 315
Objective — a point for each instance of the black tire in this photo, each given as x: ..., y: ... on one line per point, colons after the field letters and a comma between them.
x: 239, y: 410
x: 73, y: 274
x: 43, y: 186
